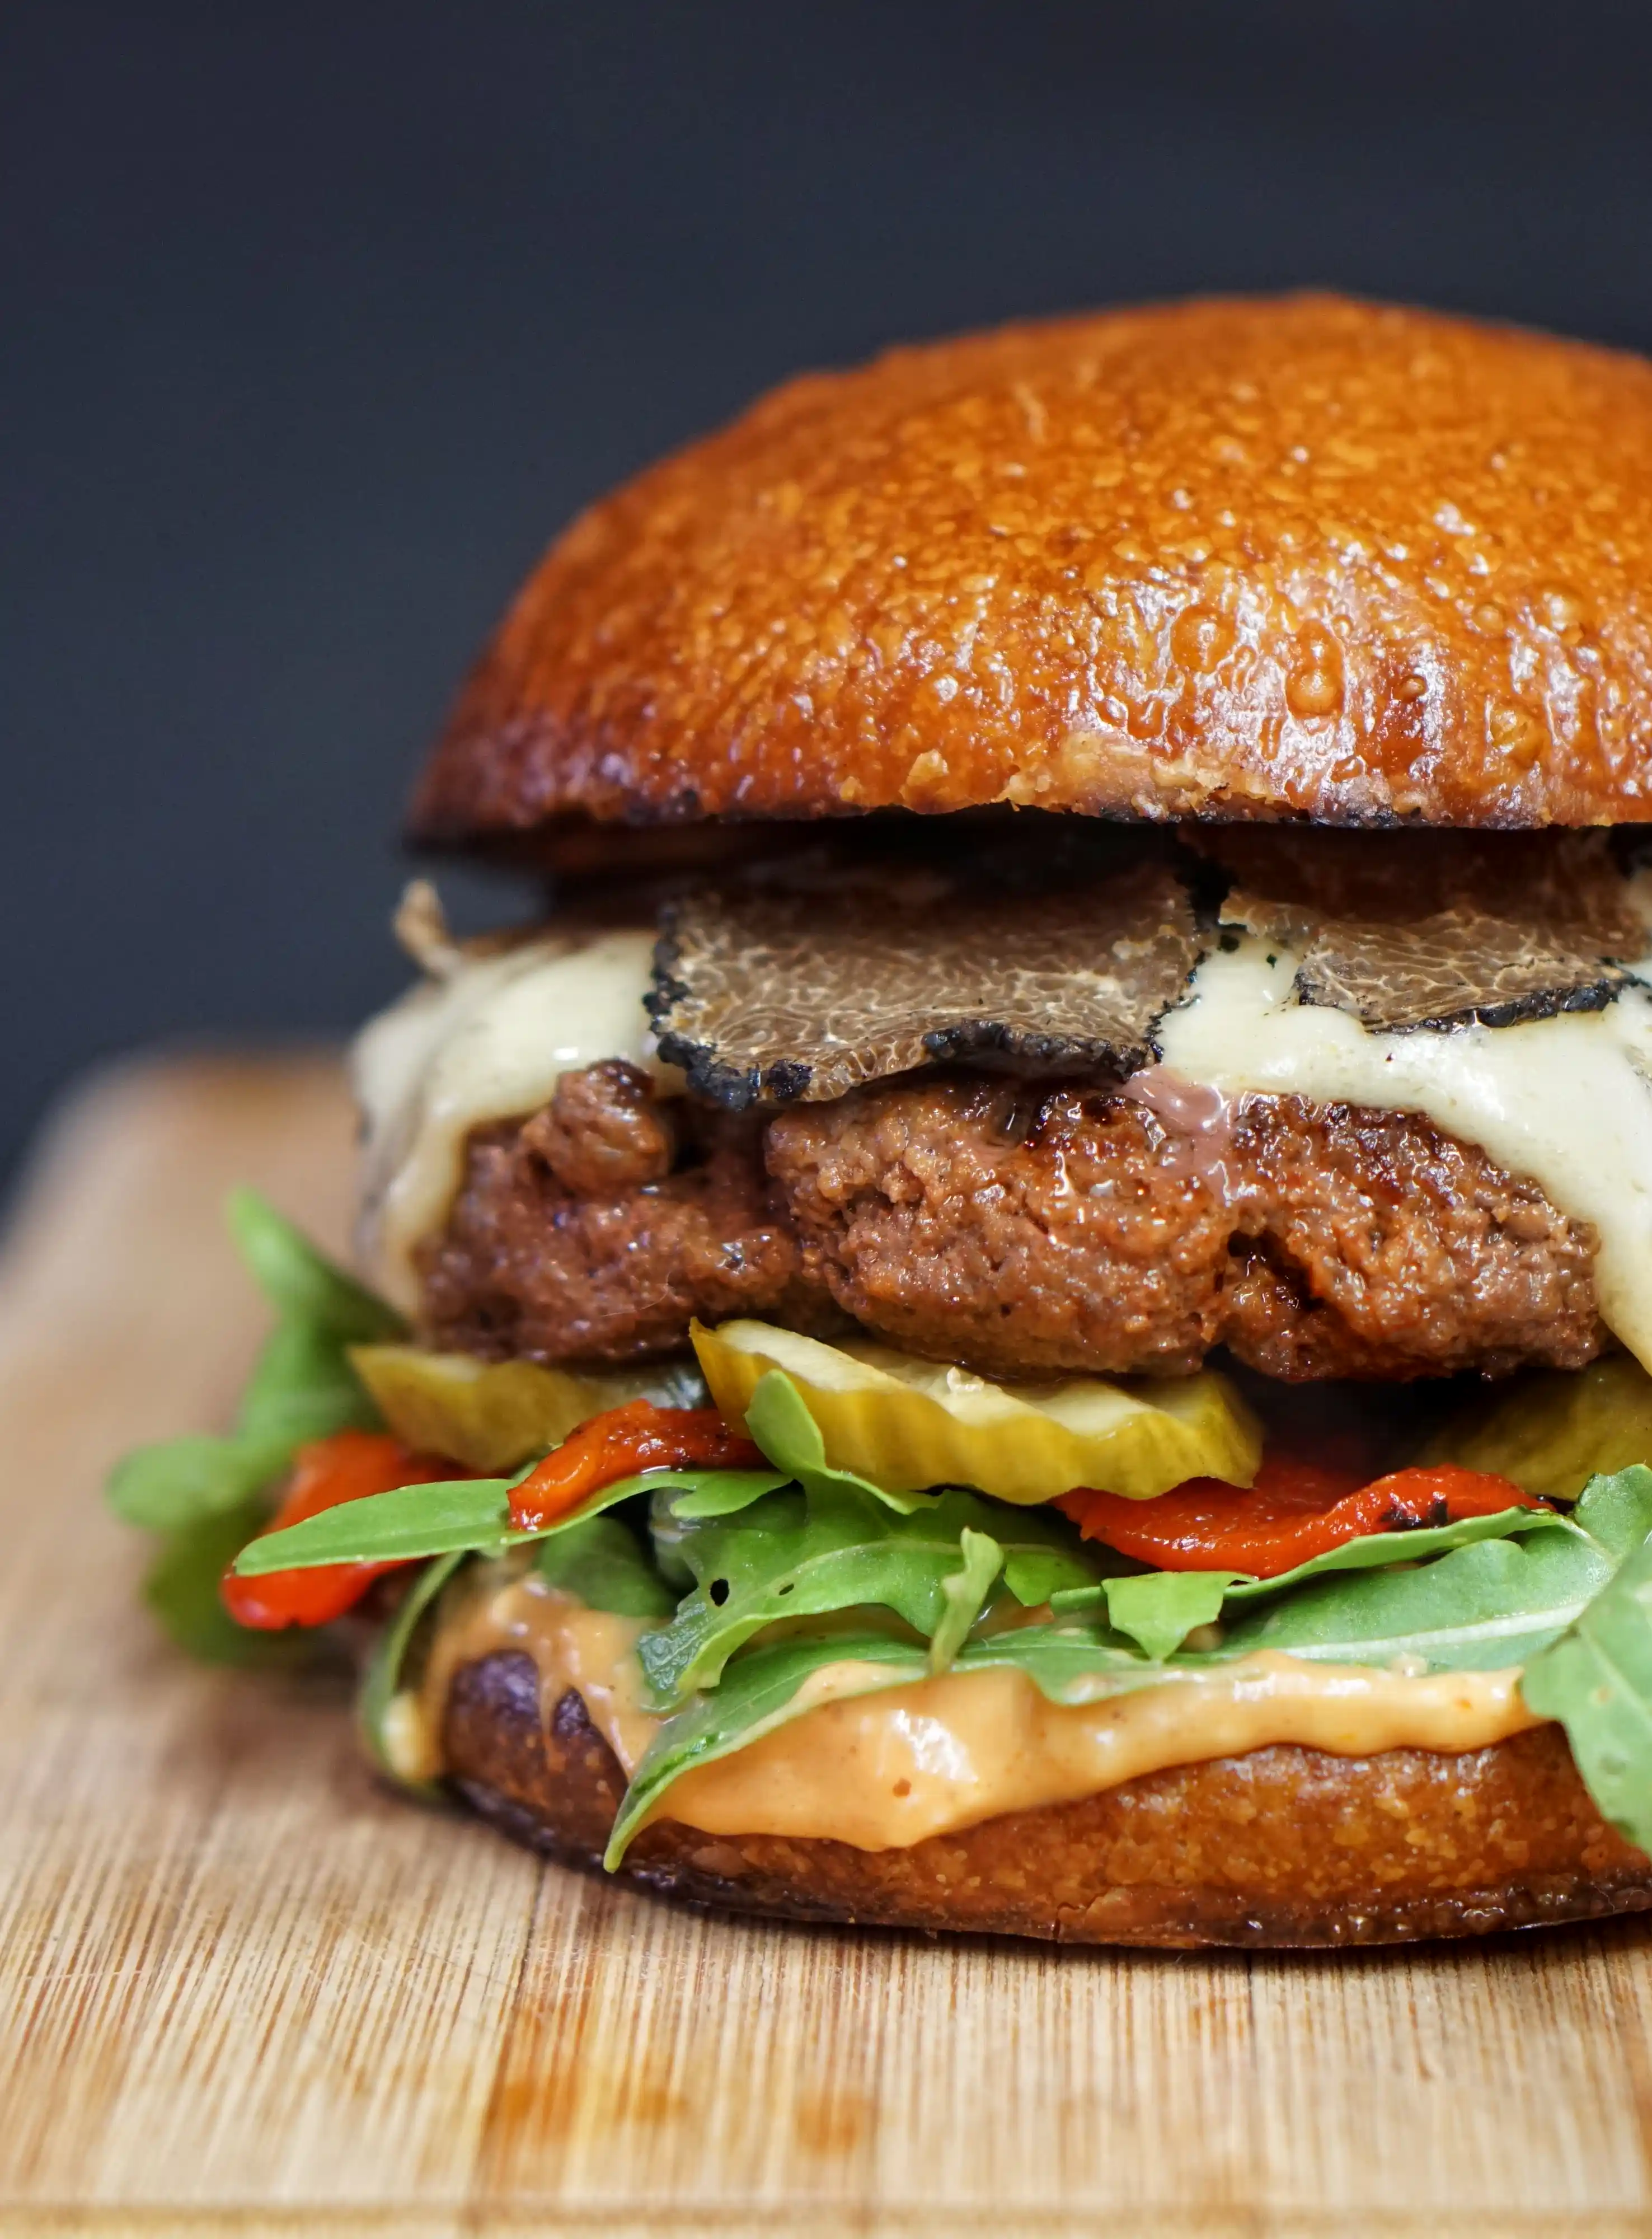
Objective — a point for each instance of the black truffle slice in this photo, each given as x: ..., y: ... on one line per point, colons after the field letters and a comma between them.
x: 769, y: 997
x: 1457, y: 966
x: 1565, y: 883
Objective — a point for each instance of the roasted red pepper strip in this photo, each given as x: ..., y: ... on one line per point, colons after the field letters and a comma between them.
x: 347, y: 1466
x: 1294, y: 1511
x: 623, y: 1443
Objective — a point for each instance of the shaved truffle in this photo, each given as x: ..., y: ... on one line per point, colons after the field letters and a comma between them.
x: 766, y: 998
x: 1408, y: 930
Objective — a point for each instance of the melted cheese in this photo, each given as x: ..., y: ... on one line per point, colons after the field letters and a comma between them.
x: 883, y: 1767
x: 488, y: 1039
x: 1565, y: 1100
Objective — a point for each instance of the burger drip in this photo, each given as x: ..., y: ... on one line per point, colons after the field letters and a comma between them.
x: 1199, y: 1120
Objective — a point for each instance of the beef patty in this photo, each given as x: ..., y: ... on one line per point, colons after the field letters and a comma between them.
x: 1027, y: 1229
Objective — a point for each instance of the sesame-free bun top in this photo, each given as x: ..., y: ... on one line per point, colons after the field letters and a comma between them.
x: 1264, y: 558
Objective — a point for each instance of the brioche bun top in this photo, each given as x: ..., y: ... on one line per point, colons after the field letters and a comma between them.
x: 1299, y: 557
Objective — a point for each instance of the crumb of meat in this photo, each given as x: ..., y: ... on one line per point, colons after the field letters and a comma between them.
x: 575, y: 1237
x: 604, y: 1130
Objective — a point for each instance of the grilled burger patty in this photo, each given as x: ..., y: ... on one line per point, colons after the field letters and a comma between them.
x: 1030, y: 1228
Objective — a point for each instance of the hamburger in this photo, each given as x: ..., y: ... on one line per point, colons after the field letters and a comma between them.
x: 1027, y: 1304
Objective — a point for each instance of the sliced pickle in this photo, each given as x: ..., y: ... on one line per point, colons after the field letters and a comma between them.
x: 1555, y: 1429
x: 492, y: 1415
x: 906, y: 1423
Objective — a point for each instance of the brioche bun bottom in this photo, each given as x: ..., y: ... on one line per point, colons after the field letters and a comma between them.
x: 1283, y: 1847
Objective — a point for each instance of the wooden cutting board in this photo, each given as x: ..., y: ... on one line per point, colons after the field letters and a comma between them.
x: 243, y: 1990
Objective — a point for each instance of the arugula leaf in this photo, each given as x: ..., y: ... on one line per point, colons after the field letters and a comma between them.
x: 964, y: 1593
x: 1479, y: 1609
x: 414, y: 1521
x: 783, y: 1427
x: 1484, y: 1605
x: 1160, y: 1608
x: 301, y: 1283
x: 1070, y: 1664
x: 838, y: 1546
x: 1616, y: 1511
x: 182, y: 1590
x: 724, y: 1492
x: 1378, y: 1549
x: 602, y: 1561
x: 1037, y: 1575
x: 302, y: 1386
x: 382, y: 1678
x: 1157, y: 1602
x: 1596, y: 1679
x: 417, y: 1521
x: 758, y: 1692
x: 178, y: 1482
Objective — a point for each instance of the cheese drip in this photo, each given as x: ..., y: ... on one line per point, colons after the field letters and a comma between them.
x: 488, y: 1040
x: 883, y: 1767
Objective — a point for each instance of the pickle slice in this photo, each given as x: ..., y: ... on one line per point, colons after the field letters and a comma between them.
x: 492, y: 1415
x: 1556, y: 1428
x: 906, y: 1423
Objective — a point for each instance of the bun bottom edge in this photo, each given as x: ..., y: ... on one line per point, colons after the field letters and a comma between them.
x: 1283, y: 1847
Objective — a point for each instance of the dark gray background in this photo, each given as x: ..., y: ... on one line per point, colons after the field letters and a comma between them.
x: 318, y: 321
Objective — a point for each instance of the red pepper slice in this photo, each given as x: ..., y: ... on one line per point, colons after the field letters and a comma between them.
x: 328, y: 1471
x: 622, y: 1443
x: 1294, y: 1511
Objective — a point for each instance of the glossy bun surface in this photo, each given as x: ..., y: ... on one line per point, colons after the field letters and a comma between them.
x: 1234, y: 558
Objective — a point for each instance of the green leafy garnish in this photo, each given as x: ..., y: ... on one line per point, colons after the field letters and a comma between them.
x: 457, y: 1517
x: 383, y: 1678
x: 1596, y: 1679
x: 1157, y: 1608
x: 182, y: 1590
x: 766, y: 1686
x: 839, y: 1546
x: 780, y: 1423
x: 178, y: 1482
x: 302, y: 1388
x: 302, y: 1284
x: 1484, y: 1606
x: 471, y: 1514
x: 964, y: 1593
x: 758, y: 1692
x: 601, y: 1561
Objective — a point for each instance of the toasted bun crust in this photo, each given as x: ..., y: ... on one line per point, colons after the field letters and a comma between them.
x: 1302, y: 557
x: 1286, y: 1846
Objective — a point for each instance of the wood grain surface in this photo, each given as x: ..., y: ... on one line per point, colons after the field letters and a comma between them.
x: 242, y: 1990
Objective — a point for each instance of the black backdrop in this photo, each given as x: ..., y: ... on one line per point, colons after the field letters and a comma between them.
x: 318, y: 319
